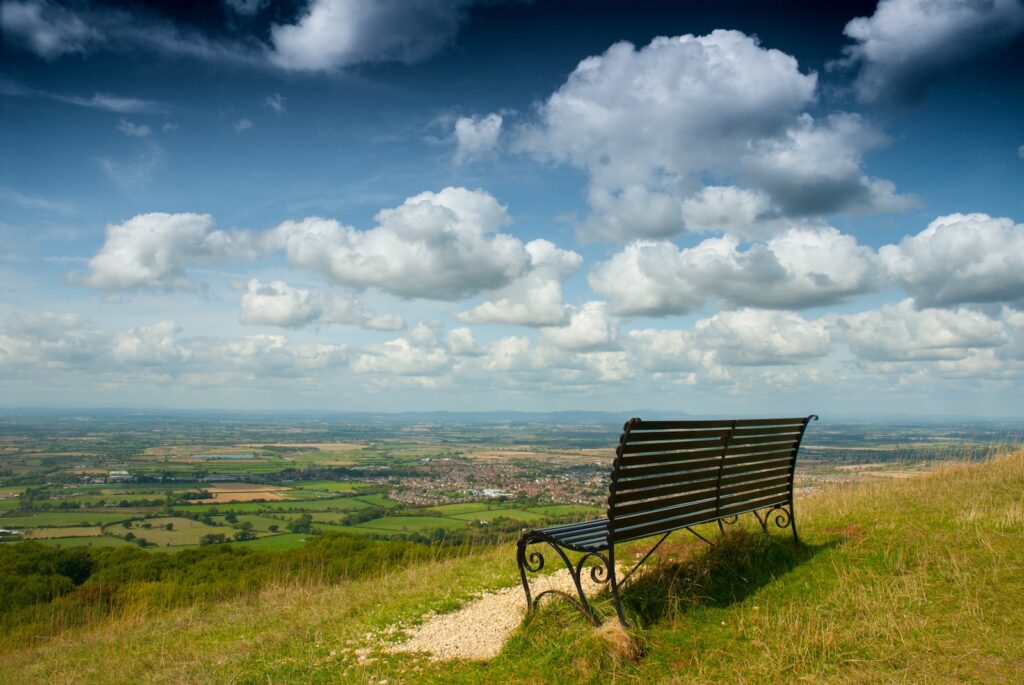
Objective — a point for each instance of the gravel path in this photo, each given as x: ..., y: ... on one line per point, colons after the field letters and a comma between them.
x: 479, y: 629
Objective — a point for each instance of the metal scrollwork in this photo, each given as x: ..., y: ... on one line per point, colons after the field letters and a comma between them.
x: 782, y: 517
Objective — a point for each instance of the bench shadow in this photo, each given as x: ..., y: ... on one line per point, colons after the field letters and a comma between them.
x: 731, y: 568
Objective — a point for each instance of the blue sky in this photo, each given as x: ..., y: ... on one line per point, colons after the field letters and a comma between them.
x: 329, y: 204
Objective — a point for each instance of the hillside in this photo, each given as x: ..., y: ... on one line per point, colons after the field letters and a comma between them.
x: 916, y: 580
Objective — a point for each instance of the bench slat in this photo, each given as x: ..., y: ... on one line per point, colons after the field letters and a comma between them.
x: 706, y: 515
x: 727, y: 501
x: 632, y: 468
x: 651, y: 476
x: 668, y: 435
x: 695, y: 445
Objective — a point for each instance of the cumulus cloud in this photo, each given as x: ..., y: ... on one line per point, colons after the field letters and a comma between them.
x: 151, y: 345
x: 666, y: 350
x: 901, y: 332
x: 650, y: 126
x: 333, y: 34
x: 401, y: 356
x: 275, y: 355
x: 907, y: 45
x: 444, y: 246
x: 960, y: 258
x: 45, y: 28
x: 462, y: 342
x: 476, y: 136
x: 150, y: 251
x: 757, y: 337
x: 49, y: 339
x: 589, y: 328
x: 279, y: 304
x: 799, y: 268
x: 534, y: 299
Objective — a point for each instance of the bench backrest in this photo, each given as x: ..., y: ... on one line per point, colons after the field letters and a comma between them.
x: 671, y: 474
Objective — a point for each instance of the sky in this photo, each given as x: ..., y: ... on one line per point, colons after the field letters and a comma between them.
x: 417, y: 205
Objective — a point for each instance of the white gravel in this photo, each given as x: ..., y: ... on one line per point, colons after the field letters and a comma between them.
x: 479, y: 629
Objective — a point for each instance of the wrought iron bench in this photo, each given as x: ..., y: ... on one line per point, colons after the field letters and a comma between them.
x: 669, y: 476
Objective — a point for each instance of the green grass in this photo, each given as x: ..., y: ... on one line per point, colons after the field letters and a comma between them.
x: 101, y: 541
x: 565, y: 509
x: 408, y: 524
x: 461, y: 508
x: 283, y: 506
x: 491, y: 514
x: 915, y: 581
x: 62, y: 518
x: 376, y: 501
x: 184, y: 532
x: 260, y: 523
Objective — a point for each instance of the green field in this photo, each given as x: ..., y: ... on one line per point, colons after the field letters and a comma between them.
x: 333, y: 504
x: 185, y: 531
x: 376, y: 501
x: 65, y: 532
x: 461, y: 508
x: 260, y: 523
x: 101, y: 541
x: 566, y: 509
x: 63, y: 518
x: 491, y: 514
x: 408, y: 524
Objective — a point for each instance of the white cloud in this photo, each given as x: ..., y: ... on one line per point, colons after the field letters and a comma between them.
x: 508, y: 354
x: 150, y: 251
x: 276, y: 103
x: 133, y: 130
x: 401, y: 357
x: 135, y: 173
x: 385, y: 322
x: 50, y: 340
x: 757, y: 337
x: 815, y: 168
x: 243, y: 124
x: 279, y: 304
x: 476, y: 136
x: 45, y: 28
x: 901, y: 332
x: 799, y: 268
x: 150, y: 345
x: 535, y: 298
x: 334, y: 34
x: 1020, y: 152
x: 462, y: 342
x: 443, y: 246
x: 665, y: 350
x: 589, y: 328
x: 651, y: 126
x: 960, y: 258
x: 275, y: 355
x: 907, y: 45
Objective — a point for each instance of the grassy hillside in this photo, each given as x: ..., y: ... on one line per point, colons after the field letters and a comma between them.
x: 915, y: 581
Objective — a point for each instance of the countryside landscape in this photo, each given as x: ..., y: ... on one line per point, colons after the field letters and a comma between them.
x: 502, y: 341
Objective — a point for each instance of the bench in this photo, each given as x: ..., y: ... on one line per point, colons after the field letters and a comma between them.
x: 669, y: 476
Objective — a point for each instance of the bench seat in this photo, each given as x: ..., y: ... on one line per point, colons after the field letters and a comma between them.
x: 669, y: 476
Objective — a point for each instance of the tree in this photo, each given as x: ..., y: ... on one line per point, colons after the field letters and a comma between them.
x: 303, y: 524
x: 231, y: 518
x: 169, y: 525
x: 272, y: 527
x: 212, y: 539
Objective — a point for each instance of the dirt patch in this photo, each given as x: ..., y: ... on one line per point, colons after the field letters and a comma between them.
x: 241, y: 492
x: 478, y: 630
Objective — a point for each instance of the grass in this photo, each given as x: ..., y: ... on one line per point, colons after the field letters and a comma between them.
x: 63, y: 518
x: 99, y: 541
x: 913, y: 581
x: 184, y: 532
x: 408, y: 524
x: 65, y: 532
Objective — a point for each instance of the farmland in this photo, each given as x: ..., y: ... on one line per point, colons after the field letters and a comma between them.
x: 170, y: 482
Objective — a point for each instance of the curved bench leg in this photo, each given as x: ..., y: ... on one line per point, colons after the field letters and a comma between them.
x: 534, y: 562
x: 784, y: 518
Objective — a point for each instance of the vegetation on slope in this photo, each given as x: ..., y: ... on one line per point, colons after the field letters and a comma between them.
x: 912, y: 581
